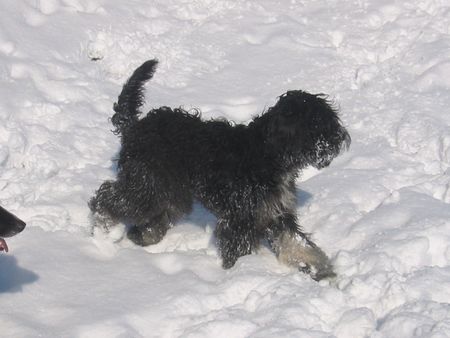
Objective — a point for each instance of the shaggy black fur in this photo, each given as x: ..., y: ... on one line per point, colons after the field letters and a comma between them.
x: 244, y: 174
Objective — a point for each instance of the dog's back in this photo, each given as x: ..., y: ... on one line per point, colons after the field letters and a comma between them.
x: 177, y: 137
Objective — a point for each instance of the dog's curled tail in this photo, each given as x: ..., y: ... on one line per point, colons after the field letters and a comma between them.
x: 132, y: 97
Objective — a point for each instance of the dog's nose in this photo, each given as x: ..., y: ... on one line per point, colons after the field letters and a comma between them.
x: 19, y: 226
x: 12, y: 228
x: 10, y: 225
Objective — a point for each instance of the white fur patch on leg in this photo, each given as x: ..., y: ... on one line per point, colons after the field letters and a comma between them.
x: 293, y: 250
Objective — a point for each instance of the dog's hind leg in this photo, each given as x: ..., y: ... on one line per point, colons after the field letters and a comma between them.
x: 115, y: 202
x: 153, y: 228
x: 106, y: 206
x: 150, y: 232
x: 295, y: 248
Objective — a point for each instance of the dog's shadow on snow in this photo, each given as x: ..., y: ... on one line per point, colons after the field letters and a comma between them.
x: 200, y: 216
x: 12, y: 276
x: 302, y: 197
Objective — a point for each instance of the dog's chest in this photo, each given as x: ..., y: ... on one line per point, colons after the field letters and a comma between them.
x: 281, y: 198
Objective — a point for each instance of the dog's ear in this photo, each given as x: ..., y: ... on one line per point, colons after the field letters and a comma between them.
x: 287, y: 116
x: 282, y: 126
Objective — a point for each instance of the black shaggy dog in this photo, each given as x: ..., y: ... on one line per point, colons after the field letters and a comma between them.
x: 244, y: 174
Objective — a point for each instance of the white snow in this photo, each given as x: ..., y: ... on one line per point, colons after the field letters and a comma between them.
x: 381, y: 211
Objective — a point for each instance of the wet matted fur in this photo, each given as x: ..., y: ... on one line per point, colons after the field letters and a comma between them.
x: 244, y: 174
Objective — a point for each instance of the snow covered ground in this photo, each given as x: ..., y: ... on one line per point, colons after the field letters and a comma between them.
x: 381, y: 211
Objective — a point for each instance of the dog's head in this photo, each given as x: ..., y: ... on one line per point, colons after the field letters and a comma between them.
x: 305, y: 128
x: 10, y: 225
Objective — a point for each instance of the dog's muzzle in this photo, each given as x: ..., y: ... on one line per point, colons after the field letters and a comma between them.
x: 326, y: 151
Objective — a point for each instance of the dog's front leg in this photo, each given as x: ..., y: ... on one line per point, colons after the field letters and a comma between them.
x: 235, y: 238
x: 294, y: 248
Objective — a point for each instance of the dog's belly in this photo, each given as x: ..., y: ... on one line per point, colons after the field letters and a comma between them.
x: 261, y: 202
x: 281, y: 199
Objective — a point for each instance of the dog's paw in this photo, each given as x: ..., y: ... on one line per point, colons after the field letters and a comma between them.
x: 318, y: 272
x: 301, y: 253
x: 144, y: 237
